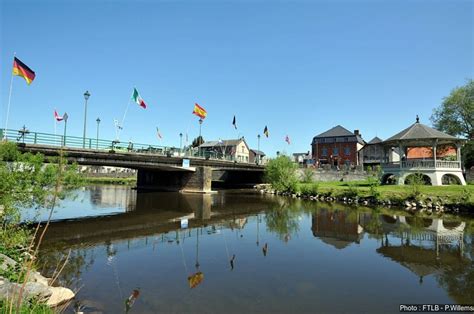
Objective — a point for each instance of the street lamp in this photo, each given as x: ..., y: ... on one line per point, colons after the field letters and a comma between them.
x: 258, y: 149
x: 200, y: 124
x: 180, y: 143
x: 97, y: 141
x: 86, y: 97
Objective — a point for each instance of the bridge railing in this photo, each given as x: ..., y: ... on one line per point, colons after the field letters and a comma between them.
x: 28, y: 137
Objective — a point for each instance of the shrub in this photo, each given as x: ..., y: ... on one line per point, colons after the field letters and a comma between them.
x: 281, y: 174
x: 307, y: 175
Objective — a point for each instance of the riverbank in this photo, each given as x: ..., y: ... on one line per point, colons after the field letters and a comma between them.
x: 111, y: 180
x: 452, y: 198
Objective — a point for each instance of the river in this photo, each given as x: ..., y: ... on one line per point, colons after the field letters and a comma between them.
x: 244, y: 252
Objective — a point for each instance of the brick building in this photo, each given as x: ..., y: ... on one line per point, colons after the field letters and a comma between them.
x: 337, y: 147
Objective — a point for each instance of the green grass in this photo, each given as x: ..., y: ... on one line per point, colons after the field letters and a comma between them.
x: 449, y: 193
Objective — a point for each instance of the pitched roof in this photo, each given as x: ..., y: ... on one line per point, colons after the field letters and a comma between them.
x: 222, y: 143
x: 338, y: 130
x: 258, y: 152
x: 375, y: 140
x: 419, y: 131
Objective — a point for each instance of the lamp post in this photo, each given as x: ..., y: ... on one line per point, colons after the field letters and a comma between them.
x: 180, y: 143
x: 97, y: 138
x: 258, y: 149
x: 200, y: 124
x: 65, y: 117
x: 86, y: 97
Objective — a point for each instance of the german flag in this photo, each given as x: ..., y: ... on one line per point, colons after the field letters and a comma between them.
x: 21, y: 69
x: 199, y: 111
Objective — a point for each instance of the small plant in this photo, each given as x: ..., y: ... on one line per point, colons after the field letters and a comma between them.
x: 307, y: 175
x: 351, y: 190
x: 415, y: 183
x: 373, y: 180
x: 309, y: 189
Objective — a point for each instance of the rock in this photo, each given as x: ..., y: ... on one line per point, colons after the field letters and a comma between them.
x: 413, y: 204
x: 37, y: 290
x: 37, y: 277
x: 365, y: 202
x: 59, y: 295
x: 6, y: 262
x: 407, y: 204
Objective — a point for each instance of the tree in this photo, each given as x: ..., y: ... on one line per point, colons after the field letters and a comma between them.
x: 455, y: 116
x: 197, y: 141
x: 281, y: 174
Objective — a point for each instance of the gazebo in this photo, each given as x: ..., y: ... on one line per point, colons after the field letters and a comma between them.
x: 432, y: 159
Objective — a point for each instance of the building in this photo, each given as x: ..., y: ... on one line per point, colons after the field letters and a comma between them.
x: 257, y: 157
x: 373, y: 153
x: 337, y: 147
x: 236, y: 150
x: 303, y: 159
x: 437, y: 167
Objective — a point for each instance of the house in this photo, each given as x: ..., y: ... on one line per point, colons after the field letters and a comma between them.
x: 303, y: 158
x: 236, y: 150
x: 373, y: 153
x: 337, y: 147
x: 257, y: 157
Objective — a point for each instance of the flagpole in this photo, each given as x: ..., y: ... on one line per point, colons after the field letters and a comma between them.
x: 123, y: 119
x: 9, y: 100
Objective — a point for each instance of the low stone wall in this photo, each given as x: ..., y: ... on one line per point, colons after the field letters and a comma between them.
x: 334, y: 175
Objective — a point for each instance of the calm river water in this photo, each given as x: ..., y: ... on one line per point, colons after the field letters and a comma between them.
x: 243, y: 252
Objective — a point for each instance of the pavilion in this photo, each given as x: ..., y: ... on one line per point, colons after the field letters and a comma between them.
x: 433, y: 160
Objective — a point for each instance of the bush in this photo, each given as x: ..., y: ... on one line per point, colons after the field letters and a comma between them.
x: 281, y: 174
x: 373, y: 180
x: 307, y: 175
x: 309, y: 189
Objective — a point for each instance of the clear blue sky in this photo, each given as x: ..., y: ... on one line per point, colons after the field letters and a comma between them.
x: 300, y: 67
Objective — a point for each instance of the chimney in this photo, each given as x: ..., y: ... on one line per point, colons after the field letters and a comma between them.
x: 356, y: 132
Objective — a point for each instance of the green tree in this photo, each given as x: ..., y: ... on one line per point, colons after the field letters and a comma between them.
x: 455, y: 116
x: 281, y: 174
x: 197, y: 141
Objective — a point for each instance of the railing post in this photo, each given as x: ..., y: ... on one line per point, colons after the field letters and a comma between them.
x: 90, y: 143
x: 36, y: 136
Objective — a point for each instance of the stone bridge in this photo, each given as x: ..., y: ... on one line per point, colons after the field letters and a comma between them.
x: 160, y: 172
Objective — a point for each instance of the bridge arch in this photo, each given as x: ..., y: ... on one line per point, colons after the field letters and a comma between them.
x: 418, y: 177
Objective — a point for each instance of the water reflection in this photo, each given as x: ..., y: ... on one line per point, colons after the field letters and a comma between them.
x: 261, y: 249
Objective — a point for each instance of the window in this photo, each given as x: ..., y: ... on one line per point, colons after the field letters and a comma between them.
x: 347, y: 151
x: 335, y: 151
x: 324, y: 152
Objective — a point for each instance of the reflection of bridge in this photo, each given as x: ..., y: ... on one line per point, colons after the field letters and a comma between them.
x: 155, y: 213
x: 161, y: 172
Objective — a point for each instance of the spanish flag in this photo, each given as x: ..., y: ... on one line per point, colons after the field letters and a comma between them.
x: 199, y: 111
x: 21, y: 69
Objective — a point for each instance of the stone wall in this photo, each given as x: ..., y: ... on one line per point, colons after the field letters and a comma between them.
x: 334, y: 175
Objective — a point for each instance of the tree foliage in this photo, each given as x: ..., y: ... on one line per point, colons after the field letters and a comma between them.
x: 26, y: 181
x: 455, y: 116
x: 197, y: 141
x: 281, y: 174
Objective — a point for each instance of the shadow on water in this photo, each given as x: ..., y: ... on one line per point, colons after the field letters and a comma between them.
x: 238, y: 251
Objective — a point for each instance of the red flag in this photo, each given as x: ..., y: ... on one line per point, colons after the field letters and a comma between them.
x: 57, y: 117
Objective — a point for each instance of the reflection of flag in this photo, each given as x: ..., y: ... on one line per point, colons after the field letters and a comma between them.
x: 158, y: 133
x: 138, y: 99
x: 234, y: 123
x: 195, y: 279
x: 287, y: 139
x: 199, y: 111
x: 21, y: 69
x: 265, y: 131
x: 57, y: 116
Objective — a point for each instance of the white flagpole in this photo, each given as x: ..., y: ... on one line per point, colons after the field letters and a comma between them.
x: 9, y: 100
x: 124, y: 115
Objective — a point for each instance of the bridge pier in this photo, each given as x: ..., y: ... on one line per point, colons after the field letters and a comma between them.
x: 198, y: 181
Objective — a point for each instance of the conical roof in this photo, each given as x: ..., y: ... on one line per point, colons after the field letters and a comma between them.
x: 418, y: 131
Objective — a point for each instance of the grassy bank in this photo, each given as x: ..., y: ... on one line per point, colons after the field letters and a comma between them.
x: 109, y: 180
x: 451, y: 194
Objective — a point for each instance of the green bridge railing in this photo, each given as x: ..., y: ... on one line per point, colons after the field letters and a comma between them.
x: 28, y: 137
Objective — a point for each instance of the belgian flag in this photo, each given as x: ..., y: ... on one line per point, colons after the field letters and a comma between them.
x: 265, y: 131
x: 21, y: 69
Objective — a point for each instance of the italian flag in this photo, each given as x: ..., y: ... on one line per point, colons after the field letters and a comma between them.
x: 138, y: 99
